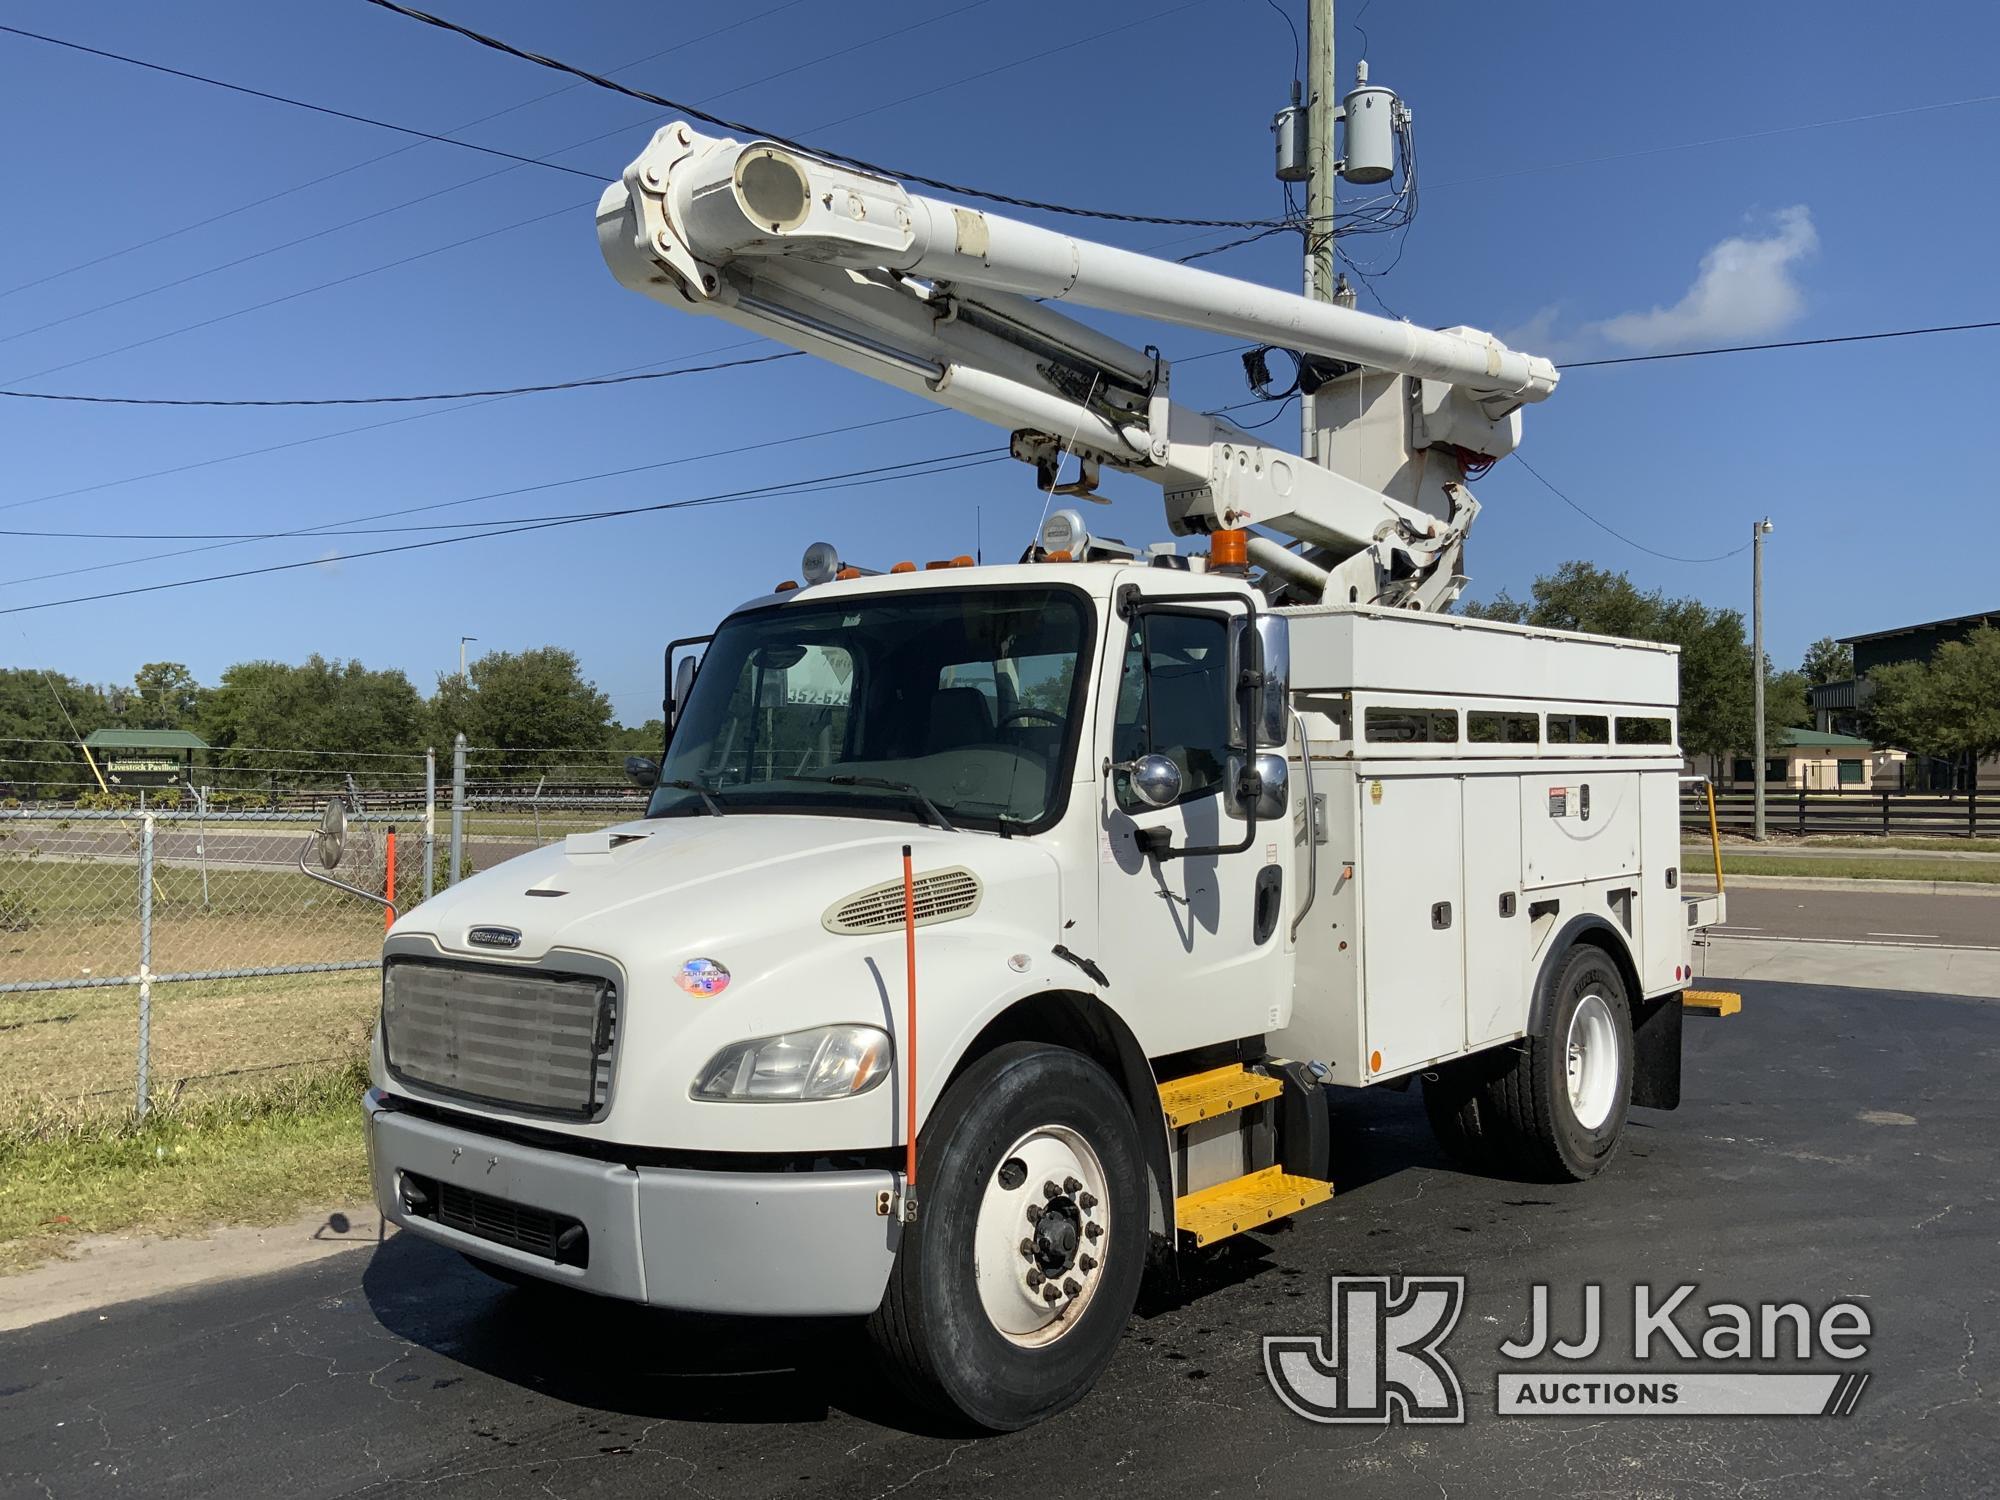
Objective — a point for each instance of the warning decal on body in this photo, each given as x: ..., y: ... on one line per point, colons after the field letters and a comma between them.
x: 1558, y: 801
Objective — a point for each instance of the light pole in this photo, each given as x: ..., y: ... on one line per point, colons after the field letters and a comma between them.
x: 1758, y: 532
x: 461, y: 654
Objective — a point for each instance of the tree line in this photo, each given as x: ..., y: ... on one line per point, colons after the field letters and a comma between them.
x: 531, y: 713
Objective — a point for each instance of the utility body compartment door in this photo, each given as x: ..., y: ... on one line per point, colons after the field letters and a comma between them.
x: 1496, y: 916
x: 1412, y: 920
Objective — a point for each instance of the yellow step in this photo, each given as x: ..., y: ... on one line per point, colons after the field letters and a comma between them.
x: 1716, y: 1002
x: 1203, y: 1096
x: 1215, y: 1213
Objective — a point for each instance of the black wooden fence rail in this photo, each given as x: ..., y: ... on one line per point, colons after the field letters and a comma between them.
x: 1788, y: 810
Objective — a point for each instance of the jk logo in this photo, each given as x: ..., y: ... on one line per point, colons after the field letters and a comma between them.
x: 1382, y: 1361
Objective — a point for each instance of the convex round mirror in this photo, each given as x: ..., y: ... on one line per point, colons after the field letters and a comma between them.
x: 1156, y: 780
x: 332, y: 833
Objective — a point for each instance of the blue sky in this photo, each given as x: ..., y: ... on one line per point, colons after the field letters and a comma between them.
x: 1554, y: 209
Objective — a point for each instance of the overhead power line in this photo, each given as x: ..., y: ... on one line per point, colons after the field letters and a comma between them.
x: 320, y: 109
x: 152, y: 242
x: 880, y: 475
x: 573, y: 385
x: 223, y: 542
x: 1840, y: 338
x: 963, y: 190
x: 1613, y: 531
x: 511, y: 390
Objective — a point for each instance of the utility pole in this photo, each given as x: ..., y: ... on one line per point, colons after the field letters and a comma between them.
x: 1758, y: 532
x: 1321, y: 102
x: 461, y: 654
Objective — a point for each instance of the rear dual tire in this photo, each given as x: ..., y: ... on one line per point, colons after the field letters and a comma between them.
x: 1552, y: 1106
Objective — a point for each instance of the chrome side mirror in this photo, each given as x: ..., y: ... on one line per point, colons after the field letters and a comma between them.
x: 1260, y: 716
x: 1262, y: 785
x: 1274, y: 702
x: 1156, y: 780
x: 332, y: 833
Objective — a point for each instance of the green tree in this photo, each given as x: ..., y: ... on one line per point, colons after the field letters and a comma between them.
x: 38, y: 746
x: 164, y: 696
x: 318, y: 705
x: 1948, y: 707
x: 531, y: 711
x: 1717, y: 688
x: 1827, y: 660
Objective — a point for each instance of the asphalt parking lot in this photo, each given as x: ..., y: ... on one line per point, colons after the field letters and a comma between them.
x: 1834, y: 1144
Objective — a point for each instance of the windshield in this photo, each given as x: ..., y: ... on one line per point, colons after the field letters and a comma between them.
x: 965, y: 697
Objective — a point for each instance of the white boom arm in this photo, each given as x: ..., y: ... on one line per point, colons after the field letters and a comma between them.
x: 935, y: 299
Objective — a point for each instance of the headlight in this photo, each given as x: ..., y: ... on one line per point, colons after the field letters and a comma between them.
x: 833, y: 1062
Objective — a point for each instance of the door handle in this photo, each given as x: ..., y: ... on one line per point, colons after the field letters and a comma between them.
x: 1441, y: 915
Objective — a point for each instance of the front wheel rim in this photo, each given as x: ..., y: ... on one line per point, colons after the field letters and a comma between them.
x: 1591, y: 1062
x: 1042, y: 1236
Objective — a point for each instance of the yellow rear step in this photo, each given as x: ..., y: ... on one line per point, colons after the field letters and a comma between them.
x: 1715, y: 1002
x: 1203, y: 1096
x: 1249, y: 1202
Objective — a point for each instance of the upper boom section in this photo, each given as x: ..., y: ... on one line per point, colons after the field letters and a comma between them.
x: 718, y: 200
x: 955, y: 305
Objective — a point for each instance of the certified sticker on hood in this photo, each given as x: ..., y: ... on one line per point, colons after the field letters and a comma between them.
x: 702, y: 976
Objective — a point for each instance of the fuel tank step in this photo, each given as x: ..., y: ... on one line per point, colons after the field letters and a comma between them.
x: 1247, y: 1202
x: 1220, y: 1091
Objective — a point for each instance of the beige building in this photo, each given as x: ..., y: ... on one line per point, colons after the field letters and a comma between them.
x: 1816, y: 760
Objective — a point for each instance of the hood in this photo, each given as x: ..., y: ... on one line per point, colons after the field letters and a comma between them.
x: 704, y: 881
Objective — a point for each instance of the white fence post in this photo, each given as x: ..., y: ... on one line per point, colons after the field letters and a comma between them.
x: 430, y: 822
x: 457, y: 810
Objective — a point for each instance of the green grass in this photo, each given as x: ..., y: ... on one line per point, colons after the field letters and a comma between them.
x: 1902, y: 841
x: 257, y: 1158
x: 1966, y: 871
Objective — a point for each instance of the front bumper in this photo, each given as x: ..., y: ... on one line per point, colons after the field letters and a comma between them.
x: 799, y: 1244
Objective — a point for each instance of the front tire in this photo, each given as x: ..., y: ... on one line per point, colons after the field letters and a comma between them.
x: 1564, y: 1101
x: 1008, y: 1299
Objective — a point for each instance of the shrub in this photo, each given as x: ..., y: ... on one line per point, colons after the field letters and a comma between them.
x: 16, y: 912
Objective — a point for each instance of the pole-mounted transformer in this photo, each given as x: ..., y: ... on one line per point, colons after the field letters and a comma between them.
x: 1290, y: 126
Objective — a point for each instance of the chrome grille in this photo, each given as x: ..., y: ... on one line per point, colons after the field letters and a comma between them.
x: 939, y: 897
x: 531, y: 1041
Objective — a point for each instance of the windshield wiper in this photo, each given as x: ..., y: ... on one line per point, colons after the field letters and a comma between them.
x: 883, y: 783
x: 708, y: 799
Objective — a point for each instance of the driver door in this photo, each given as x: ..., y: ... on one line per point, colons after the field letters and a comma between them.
x: 1194, y: 946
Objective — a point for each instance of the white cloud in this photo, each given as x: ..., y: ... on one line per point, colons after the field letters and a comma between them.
x: 1746, y: 287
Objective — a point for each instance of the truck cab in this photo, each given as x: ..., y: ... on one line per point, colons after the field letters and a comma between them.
x: 995, y: 934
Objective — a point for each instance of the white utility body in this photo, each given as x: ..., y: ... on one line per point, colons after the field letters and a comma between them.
x: 1075, y: 884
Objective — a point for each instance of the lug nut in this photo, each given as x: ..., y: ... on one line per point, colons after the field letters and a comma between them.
x: 1087, y: 1262
x: 1049, y: 1292
x: 1035, y: 1276
x: 1027, y: 1249
x: 1095, y: 1231
x: 1050, y: 1190
x: 1034, y: 1212
x: 1070, y: 1286
x: 1071, y: 1185
x: 1087, y: 1202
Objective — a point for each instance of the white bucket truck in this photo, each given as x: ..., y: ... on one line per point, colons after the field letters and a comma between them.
x: 995, y: 933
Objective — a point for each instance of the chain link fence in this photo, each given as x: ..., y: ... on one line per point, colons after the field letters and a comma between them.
x: 151, y: 953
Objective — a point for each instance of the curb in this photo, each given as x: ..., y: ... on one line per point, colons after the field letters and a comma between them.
x: 1835, y: 883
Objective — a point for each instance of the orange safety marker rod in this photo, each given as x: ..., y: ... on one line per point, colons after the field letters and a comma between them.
x: 389, y: 883
x: 910, y: 1039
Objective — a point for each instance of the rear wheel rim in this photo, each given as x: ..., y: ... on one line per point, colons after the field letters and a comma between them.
x: 1591, y: 1062
x: 1029, y: 1239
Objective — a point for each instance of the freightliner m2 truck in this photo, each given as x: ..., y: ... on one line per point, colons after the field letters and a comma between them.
x: 996, y: 935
